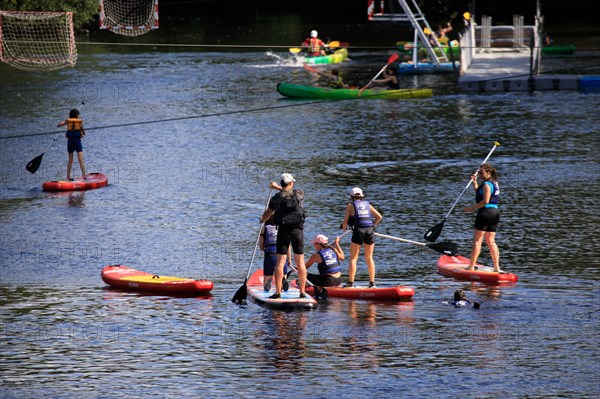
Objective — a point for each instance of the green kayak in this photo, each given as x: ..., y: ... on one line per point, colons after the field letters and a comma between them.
x: 338, y: 56
x: 322, y: 93
x: 564, y: 49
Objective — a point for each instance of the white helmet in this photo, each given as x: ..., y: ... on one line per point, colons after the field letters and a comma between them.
x: 314, y: 33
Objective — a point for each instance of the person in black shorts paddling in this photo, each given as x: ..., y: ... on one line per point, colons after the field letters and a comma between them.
x: 287, y: 210
x: 486, y: 222
x: 359, y: 216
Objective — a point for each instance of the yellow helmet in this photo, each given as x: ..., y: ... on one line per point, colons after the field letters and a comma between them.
x: 427, y: 31
x: 467, y: 15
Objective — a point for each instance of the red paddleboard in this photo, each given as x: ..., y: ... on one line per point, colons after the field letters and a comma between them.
x: 396, y: 293
x: 458, y: 267
x: 126, y: 278
x: 289, y: 299
x: 92, y: 180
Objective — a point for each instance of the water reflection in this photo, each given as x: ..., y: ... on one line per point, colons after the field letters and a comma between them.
x: 282, y: 341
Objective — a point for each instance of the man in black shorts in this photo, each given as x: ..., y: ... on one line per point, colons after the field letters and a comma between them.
x: 287, y: 209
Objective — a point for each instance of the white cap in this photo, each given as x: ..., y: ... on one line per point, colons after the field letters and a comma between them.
x: 320, y: 239
x: 287, y: 178
x: 314, y: 33
x: 356, y: 192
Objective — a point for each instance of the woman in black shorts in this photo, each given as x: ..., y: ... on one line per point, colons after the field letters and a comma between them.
x: 362, y: 218
x: 486, y: 222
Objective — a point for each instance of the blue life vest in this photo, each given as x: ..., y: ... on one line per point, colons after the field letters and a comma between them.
x: 270, y: 238
x: 493, y: 198
x: 362, y: 214
x: 330, y: 263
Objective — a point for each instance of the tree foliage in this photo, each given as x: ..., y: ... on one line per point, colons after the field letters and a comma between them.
x: 84, y: 11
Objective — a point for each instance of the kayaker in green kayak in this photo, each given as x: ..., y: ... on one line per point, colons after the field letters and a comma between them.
x: 390, y: 80
x: 334, y: 79
x: 314, y: 45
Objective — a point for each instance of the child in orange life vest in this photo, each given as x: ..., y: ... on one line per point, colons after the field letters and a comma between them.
x: 74, y: 134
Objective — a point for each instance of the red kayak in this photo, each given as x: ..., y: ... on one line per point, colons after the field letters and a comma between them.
x: 126, y: 278
x: 396, y: 293
x: 87, y: 182
x: 457, y: 267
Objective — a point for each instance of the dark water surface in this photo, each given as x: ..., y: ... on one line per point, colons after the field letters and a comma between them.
x: 184, y: 199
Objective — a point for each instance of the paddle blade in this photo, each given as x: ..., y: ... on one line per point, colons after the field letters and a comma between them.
x: 445, y: 247
x: 334, y: 44
x: 393, y: 58
x: 320, y: 295
x: 241, y: 294
x: 34, y: 164
x: 434, y: 232
x: 295, y: 50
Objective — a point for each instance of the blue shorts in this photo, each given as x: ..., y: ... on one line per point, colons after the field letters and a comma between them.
x: 269, y: 264
x: 74, y: 144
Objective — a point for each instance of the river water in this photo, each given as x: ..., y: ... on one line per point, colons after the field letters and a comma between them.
x: 186, y: 190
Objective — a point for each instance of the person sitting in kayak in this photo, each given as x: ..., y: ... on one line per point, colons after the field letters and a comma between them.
x: 334, y: 80
x: 328, y: 258
x: 390, y: 79
x: 314, y: 45
x: 268, y: 244
x: 74, y: 134
x: 461, y: 300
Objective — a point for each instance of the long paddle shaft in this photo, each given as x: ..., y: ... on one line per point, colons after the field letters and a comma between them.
x: 33, y: 165
x: 392, y: 58
x: 242, y: 292
x: 446, y: 248
x: 433, y: 233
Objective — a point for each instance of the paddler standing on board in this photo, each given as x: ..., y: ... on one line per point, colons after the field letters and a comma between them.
x: 488, y: 215
x: 314, y: 45
x: 287, y: 210
x: 359, y: 216
x: 74, y: 134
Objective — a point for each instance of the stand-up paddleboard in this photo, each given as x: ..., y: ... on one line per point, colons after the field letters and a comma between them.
x: 126, y: 278
x: 290, y: 299
x: 458, y: 267
x: 87, y: 182
x: 396, y: 293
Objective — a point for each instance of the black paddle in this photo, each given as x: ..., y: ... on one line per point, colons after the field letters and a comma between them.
x: 434, y: 232
x: 33, y: 165
x: 445, y: 247
x: 242, y: 293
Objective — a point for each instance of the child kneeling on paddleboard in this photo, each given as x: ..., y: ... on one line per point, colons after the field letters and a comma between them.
x: 328, y: 258
x: 268, y: 244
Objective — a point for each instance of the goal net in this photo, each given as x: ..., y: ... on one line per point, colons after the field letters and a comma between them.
x: 129, y: 17
x: 32, y: 40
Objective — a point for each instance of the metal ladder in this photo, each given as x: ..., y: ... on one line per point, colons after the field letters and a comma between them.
x: 415, y: 16
x: 412, y: 14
